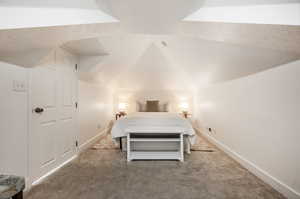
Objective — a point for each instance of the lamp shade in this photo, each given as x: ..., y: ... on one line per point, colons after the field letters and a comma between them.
x: 122, y: 106
x: 184, y: 106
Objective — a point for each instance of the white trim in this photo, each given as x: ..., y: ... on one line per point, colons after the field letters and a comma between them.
x: 27, y: 184
x: 53, y: 171
x: 91, y: 141
x: 260, y: 173
x: 30, y: 172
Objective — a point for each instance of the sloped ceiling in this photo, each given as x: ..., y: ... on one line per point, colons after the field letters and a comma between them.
x: 35, y: 13
x: 171, y: 62
x: 86, y: 4
x: 151, y: 17
x: 251, y: 11
x: 152, y: 70
x: 152, y: 48
x: 16, y: 40
x: 85, y: 47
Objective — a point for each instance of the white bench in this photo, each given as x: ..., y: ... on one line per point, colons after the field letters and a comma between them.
x: 155, y: 139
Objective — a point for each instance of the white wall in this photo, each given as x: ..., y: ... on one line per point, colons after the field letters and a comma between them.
x: 257, y: 118
x: 13, y: 121
x: 95, y: 110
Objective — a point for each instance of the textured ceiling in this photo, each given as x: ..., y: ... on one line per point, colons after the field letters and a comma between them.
x: 151, y: 48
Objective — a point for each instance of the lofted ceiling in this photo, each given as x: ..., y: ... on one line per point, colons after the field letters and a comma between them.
x: 150, y: 46
x: 170, y: 62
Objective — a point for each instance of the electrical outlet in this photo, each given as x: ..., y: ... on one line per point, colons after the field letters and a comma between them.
x: 211, y: 130
x: 99, y: 126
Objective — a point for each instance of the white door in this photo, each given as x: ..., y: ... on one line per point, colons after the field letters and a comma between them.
x: 53, y: 97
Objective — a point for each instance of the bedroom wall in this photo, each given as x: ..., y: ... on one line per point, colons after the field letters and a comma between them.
x: 256, y: 120
x: 95, y: 111
x: 172, y: 97
x: 13, y: 120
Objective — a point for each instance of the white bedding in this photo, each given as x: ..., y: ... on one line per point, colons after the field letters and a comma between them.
x: 153, y: 122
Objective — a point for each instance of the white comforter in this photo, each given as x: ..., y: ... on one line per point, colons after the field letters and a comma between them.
x: 151, y: 122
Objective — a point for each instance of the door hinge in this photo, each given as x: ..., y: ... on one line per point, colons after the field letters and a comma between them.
x: 76, y: 143
x: 76, y: 67
x: 76, y: 104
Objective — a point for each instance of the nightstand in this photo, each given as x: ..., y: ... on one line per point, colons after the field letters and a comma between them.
x: 120, y: 114
x: 186, y: 114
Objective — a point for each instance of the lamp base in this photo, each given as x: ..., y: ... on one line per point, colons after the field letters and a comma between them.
x: 122, y: 113
x: 185, y: 114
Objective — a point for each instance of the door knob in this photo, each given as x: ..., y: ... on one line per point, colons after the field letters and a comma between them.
x: 38, y: 110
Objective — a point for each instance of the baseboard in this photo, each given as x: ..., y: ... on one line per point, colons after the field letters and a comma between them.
x: 82, y: 147
x: 260, y: 173
x: 41, y: 179
x: 27, y: 184
x: 92, y: 141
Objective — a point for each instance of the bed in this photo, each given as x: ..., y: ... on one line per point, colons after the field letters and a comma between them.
x: 155, y: 135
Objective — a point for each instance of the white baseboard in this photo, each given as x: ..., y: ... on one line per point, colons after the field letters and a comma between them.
x: 82, y: 147
x: 27, y: 184
x: 41, y: 179
x: 263, y: 175
x: 91, y: 141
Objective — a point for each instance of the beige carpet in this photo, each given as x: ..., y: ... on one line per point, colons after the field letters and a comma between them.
x: 106, y: 143
x: 105, y: 174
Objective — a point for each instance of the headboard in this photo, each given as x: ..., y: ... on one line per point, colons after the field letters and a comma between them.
x: 168, y: 100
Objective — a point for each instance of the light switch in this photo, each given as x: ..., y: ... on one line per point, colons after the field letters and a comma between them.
x: 19, y: 86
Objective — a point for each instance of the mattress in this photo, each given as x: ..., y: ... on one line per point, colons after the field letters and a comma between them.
x: 153, y: 122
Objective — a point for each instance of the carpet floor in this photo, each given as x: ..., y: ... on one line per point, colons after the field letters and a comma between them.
x: 105, y: 174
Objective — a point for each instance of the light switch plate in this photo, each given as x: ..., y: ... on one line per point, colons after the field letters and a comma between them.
x: 19, y: 86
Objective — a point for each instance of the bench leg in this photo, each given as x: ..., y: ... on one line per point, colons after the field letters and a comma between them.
x: 128, y: 148
x: 18, y: 195
x: 188, y: 144
x: 181, y: 148
x: 121, y: 143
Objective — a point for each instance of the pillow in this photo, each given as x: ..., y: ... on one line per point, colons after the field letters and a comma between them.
x: 152, y: 106
x: 164, y: 107
x: 140, y: 107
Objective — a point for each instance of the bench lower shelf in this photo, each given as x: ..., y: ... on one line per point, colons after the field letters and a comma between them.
x: 154, y: 155
x: 143, y: 140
